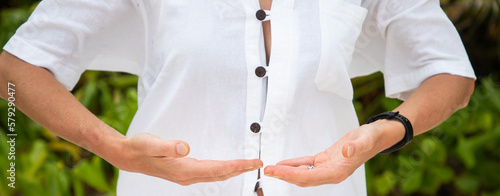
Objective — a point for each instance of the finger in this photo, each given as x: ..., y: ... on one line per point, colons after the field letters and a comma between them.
x: 304, y: 182
x: 212, y: 179
x: 308, y: 160
x: 270, y: 169
x: 275, y: 170
x: 209, y: 168
x: 303, y: 176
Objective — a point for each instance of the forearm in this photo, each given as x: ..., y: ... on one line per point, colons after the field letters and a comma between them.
x: 41, y: 97
x: 434, y: 101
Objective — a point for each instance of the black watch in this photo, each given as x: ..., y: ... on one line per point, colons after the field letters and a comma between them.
x: 408, y: 129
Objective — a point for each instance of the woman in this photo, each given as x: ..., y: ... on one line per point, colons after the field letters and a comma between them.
x: 243, y: 82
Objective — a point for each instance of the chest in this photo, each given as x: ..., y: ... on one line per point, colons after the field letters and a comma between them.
x: 311, y: 40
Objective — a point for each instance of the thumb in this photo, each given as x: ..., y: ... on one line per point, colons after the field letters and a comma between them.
x: 153, y: 145
x: 175, y: 148
x: 348, y: 150
x: 357, y: 145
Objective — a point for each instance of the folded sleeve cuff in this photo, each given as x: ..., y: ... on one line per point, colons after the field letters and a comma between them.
x: 401, y: 86
x: 66, y: 74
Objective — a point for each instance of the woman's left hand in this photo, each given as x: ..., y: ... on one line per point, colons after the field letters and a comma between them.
x: 333, y: 165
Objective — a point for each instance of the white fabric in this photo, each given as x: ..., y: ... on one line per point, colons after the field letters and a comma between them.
x: 196, y: 60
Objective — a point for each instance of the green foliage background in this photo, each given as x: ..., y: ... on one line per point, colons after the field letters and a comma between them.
x: 459, y: 157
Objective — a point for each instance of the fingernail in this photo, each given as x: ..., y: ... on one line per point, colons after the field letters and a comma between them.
x: 181, y: 149
x: 350, y: 151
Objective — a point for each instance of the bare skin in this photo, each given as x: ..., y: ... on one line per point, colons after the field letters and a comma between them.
x: 266, y: 27
x: 46, y: 101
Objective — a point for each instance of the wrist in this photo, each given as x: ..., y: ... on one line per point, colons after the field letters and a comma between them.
x: 389, y: 131
x: 107, y: 143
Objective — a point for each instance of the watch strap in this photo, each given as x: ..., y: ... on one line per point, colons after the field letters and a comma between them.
x: 408, y: 129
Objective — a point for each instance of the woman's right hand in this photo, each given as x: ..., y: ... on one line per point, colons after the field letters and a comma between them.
x: 150, y: 155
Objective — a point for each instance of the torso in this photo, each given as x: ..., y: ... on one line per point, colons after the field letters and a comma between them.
x: 200, y: 86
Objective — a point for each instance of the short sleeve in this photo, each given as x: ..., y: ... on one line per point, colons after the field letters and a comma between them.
x: 68, y: 37
x: 408, y: 41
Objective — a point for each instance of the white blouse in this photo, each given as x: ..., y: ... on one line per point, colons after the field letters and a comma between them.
x: 203, y: 76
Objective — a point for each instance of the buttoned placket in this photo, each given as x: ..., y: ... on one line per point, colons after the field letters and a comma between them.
x: 261, y: 72
x: 278, y: 91
x: 257, y: 75
x: 267, y: 86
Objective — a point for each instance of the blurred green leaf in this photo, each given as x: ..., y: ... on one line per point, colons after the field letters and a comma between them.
x: 124, y: 81
x: 385, y: 183
x: 430, y: 184
x: 89, y: 93
x: 434, y: 150
x: 468, y: 148
x: 391, y: 104
x: 467, y: 183
x: 37, y: 157
x: 494, y: 97
x: 412, y: 183
x: 78, y: 189
x: 92, y: 174
x: 64, y: 146
x: 445, y: 174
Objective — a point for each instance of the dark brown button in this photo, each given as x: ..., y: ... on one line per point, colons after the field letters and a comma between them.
x: 255, y: 127
x: 260, y: 71
x: 260, y: 14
